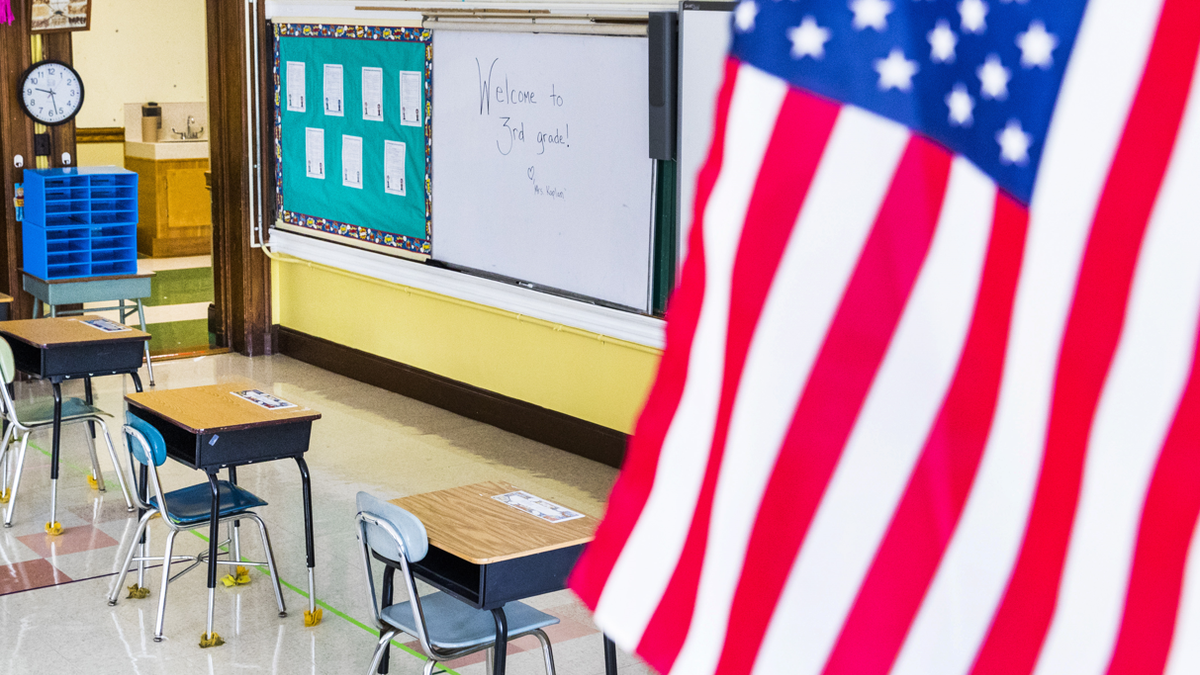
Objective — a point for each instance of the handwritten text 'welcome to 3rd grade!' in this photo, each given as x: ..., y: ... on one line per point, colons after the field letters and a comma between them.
x: 513, y: 102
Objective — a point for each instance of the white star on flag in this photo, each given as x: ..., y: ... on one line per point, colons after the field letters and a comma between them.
x: 743, y: 16
x: 973, y: 13
x: 871, y: 13
x: 1014, y: 144
x: 1037, y: 46
x: 808, y: 39
x: 961, y: 106
x: 994, y: 78
x: 895, y: 72
x: 942, y: 42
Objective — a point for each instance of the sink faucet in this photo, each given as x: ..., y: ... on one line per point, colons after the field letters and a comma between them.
x: 188, y: 134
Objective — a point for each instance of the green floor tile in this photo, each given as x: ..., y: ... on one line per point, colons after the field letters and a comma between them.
x: 178, y: 336
x: 178, y: 287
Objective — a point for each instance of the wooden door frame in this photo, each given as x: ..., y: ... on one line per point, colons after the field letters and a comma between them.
x: 16, y: 138
x: 241, y: 272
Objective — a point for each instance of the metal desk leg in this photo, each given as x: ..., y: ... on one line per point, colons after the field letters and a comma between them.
x: 53, y: 526
x: 313, y: 616
x: 235, y: 542
x: 96, y: 480
x: 610, y: 656
x: 144, y: 487
x: 500, y: 649
x: 210, y: 637
x: 142, y: 322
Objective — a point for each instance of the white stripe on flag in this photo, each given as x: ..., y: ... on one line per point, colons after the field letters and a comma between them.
x: 1184, y: 658
x: 1141, y: 395
x: 648, y: 560
x: 1097, y: 92
x: 860, y: 158
x: 888, y: 436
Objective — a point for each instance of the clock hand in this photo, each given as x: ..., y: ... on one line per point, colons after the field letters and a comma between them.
x: 45, y: 90
x: 52, y: 102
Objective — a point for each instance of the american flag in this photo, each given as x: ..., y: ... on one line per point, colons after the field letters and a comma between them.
x: 929, y: 401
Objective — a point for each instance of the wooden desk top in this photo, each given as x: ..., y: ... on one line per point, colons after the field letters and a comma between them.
x: 64, y: 330
x: 466, y: 522
x: 79, y: 280
x: 214, y: 408
x: 5, y: 298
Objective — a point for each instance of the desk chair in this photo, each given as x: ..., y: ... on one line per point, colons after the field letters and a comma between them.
x: 446, y: 627
x: 182, y: 510
x: 25, y: 417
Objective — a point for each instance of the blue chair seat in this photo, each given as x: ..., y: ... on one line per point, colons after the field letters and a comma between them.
x: 455, y: 625
x: 41, y: 412
x: 194, y: 504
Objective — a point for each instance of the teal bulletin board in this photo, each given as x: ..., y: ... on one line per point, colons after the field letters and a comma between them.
x: 325, y: 179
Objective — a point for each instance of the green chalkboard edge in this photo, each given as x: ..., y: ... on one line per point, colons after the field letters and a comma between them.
x: 350, y: 233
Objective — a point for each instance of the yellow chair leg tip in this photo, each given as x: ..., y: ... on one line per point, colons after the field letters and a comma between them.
x: 211, y: 641
x: 312, y: 618
x: 5, y: 495
x: 138, y: 592
x: 92, y: 482
x: 54, y: 528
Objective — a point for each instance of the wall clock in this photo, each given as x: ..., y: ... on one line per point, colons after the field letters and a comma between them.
x: 51, y: 92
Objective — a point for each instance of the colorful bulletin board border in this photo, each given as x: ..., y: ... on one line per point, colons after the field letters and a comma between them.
x: 358, y: 232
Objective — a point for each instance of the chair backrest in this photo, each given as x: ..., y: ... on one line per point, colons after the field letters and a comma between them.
x: 8, y: 373
x: 8, y: 365
x: 410, y: 528
x: 156, y: 450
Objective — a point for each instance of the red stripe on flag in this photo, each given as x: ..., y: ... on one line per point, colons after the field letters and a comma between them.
x: 932, y: 503
x: 633, y: 485
x: 841, y: 377
x: 801, y: 133
x: 1090, y: 339
x: 1168, y: 522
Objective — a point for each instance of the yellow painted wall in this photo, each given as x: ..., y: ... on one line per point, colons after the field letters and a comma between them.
x: 581, y: 374
x: 100, y: 154
x: 140, y: 50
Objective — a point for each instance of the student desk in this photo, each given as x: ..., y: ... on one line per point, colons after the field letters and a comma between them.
x: 80, y: 290
x: 209, y: 428
x: 5, y: 305
x: 487, y: 553
x: 59, y: 349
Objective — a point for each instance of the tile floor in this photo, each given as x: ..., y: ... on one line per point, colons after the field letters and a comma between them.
x: 53, y: 612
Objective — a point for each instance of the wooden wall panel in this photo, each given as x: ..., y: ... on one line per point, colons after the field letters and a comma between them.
x: 241, y: 274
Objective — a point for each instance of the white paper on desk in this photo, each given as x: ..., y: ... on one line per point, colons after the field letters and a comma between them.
x: 536, y: 506
x: 106, y: 325
x: 333, y: 90
x: 410, y: 98
x: 372, y: 94
x: 295, y: 86
x: 314, y: 153
x: 393, y: 167
x: 263, y: 399
x: 352, y: 161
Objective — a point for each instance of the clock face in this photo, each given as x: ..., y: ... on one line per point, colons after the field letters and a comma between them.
x: 51, y: 92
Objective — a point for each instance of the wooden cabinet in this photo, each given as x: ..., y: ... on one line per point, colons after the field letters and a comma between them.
x: 174, y: 207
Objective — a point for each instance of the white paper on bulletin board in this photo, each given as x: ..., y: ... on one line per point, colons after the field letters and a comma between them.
x: 540, y: 160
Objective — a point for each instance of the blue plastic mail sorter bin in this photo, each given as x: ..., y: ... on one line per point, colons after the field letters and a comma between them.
x: 80, y: 222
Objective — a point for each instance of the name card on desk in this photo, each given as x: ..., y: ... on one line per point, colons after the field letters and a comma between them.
x: 536, y: 506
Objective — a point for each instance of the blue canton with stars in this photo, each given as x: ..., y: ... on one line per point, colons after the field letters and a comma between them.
x: 979, y: 76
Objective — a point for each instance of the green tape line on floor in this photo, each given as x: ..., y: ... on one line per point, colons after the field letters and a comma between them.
x: 72, y: 465
x: 336, y: 612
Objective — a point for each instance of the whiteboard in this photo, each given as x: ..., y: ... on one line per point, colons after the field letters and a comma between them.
x: 703, y: 46
x: 540, y: 164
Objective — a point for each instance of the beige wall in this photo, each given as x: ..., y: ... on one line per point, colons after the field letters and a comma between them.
x: 140, y: 50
